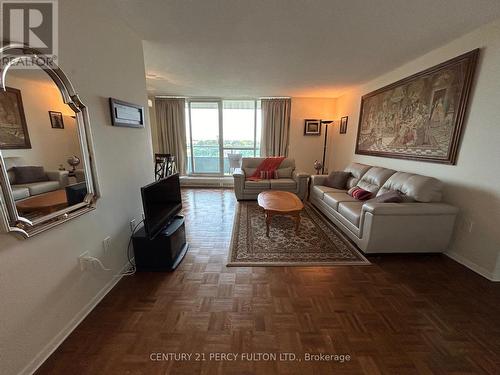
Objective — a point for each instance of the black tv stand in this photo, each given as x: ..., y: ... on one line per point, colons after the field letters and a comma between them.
x: 165, y: 251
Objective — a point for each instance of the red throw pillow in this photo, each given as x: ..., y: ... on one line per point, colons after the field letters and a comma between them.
x: 359, y: 194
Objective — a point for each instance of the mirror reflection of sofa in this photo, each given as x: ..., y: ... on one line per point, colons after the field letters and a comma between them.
x: 52, y: 180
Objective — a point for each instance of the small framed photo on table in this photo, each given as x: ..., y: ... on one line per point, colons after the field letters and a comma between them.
x: 312, y: 127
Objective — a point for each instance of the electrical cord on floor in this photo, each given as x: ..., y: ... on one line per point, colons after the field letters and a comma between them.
x: 132, y: 269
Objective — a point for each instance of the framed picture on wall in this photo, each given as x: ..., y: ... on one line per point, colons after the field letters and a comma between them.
x: 13, y: 128
x: 124, y: 114
x: 312, y: 127
x: 343, y: 125
x: 56, y: 120
x: 420, y: 117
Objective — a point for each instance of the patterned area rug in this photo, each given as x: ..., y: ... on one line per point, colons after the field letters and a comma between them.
x: 318, y: 243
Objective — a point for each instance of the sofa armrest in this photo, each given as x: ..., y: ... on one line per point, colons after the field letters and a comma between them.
x: 318, y: 179
x: 302, y: 181
x: 299, y: 175
x: 238, y: 173
x: 414, y: 208
x: 60, y: 176
x: 239, y: 182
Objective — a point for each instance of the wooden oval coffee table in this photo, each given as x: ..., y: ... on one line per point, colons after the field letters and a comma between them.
x: 276, y: 202
x: 45, y: 203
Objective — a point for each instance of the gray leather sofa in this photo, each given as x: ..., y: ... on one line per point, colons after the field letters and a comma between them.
x: 292, y: 181
x: 422, y: 223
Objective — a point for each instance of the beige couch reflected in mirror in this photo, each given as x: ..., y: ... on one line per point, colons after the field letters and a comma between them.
x: 53, y: 180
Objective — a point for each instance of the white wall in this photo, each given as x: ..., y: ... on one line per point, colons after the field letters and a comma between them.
x: 306, y: 149
x: 49, y: 147
x: 43, y: 293
x: 154, y: 128
x: 474, y: 183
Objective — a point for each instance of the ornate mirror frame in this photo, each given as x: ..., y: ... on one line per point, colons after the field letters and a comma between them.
x: 10, y: 219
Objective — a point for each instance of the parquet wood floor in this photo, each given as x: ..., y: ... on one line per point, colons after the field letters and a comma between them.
x: 405, y: 314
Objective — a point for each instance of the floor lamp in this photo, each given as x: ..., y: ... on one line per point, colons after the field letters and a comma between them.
x: 326, y: 123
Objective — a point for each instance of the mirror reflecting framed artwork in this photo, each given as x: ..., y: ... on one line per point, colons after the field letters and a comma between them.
x: 47, y: 170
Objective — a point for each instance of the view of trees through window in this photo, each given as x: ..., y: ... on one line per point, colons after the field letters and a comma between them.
x: 215, y: 129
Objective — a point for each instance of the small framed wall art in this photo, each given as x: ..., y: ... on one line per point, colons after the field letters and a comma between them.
x: 312, y: 127
x: 56, y: 120
x: 343, y: 125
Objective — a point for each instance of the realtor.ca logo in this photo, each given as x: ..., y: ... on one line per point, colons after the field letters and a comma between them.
x: 32, y: 23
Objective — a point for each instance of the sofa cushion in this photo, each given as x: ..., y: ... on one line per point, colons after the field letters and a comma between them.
x: 255, y: 162
x: 29, y: 174
x: 283, y: 172
x: 36, y: 188
x: 318, y: 191
x: 357, y: 171
x: 374, y: 178
x: 258, y: 185
x: 283, y: 184
x: 333, y: 199
x: 351, y: 211
x: 12, y: 176
x: 337, y: 179
x: 391, y: 196
x: 420, y: 188
x: 20, y: 192
x: 267, y: 175
x: 249, y: 171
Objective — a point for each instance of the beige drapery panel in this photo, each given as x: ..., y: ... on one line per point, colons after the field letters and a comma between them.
x: 275, y: 126
x: 171, y: 124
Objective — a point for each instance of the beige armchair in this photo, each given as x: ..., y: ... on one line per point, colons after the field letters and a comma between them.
x: 289, y: 179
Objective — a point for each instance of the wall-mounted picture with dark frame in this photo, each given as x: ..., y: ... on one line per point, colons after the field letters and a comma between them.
x: 420, y: 117
x: 312, y: 127
x: 56, y: 120
x: 126, y: 114
x: 343, y: 125
x: 13, y: 129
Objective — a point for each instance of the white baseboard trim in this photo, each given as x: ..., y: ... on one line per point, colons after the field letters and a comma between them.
x: 53, y: 344
x: 473, y: 266
x: 208, y: 182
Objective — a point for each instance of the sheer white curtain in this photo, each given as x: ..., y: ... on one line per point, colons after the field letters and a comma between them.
x: 171, y: 124
x: 275, y: 126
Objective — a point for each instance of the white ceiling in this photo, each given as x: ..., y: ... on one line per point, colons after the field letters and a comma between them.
x: 315, y: 48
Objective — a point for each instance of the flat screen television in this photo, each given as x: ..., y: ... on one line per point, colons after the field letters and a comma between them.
x: 161, y: 201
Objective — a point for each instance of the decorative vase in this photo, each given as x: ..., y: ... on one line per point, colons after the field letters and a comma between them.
x: 317, y: 166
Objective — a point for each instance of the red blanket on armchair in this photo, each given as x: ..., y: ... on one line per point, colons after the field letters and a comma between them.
x: 268, y: 165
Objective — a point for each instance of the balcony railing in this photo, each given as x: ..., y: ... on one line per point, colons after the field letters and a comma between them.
x: 206, y: 158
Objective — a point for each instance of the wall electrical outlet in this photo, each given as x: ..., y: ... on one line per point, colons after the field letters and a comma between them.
x: 470, y: 225
x: 467, y: 225
x: 82, y: 259
x: 132, y: 225
x: 106, y: 244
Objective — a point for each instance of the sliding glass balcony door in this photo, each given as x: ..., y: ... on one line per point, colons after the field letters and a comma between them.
x: 205, y: 147
x: 215, y: 129
x: 239, y: 129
